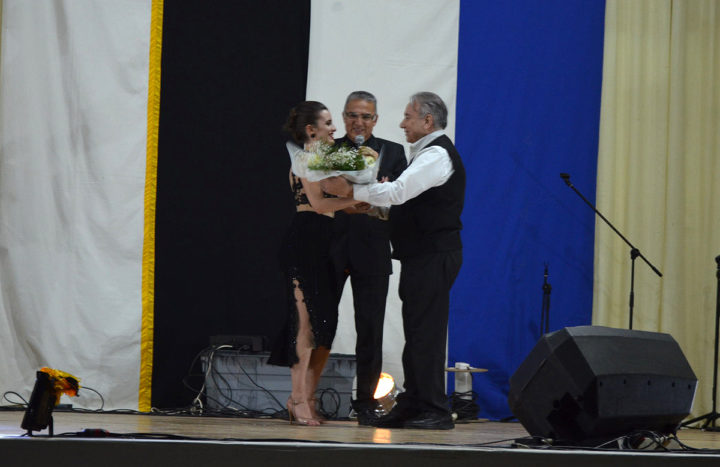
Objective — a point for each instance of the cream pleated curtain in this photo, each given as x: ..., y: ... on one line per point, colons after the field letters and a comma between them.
x: 659, y: 174
x: 78, y: 100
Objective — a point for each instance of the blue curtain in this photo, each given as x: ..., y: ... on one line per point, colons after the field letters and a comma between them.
x: 529, y: 84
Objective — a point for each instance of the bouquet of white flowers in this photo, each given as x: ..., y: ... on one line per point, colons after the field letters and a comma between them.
x: 322, y: 160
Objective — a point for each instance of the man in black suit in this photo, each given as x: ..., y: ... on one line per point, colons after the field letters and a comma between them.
x: 361, y: 250
x: 427, y: 201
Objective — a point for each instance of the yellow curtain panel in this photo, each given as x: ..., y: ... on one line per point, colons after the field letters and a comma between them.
x: 148, y: 272
x: 659, y: 173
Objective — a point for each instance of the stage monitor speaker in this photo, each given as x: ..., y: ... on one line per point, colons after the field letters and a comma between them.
x: 590, y: 383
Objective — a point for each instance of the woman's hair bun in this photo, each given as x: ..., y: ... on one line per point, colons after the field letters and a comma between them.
x: 303, y: 114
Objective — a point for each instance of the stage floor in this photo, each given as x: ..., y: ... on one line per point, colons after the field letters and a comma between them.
x: 271, y: 439
x: 269, y: 429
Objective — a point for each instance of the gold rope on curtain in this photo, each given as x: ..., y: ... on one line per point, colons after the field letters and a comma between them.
x: 148, y: 267
x: 659, y: 175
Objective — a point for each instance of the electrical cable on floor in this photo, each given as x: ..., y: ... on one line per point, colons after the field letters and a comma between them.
x: 262, y: 388
x: 227, y: 405
x: 329, y: 399
x: 24, y: 402
x: 102, y: 399
x: 636, y: 441
x: 198, y: 401
x: 334, y: 396
x: 463, y: 404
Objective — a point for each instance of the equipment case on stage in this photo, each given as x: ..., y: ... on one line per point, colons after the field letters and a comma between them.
x: 244, y: 381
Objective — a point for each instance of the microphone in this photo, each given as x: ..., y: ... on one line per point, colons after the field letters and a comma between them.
x: 359, y: 140
x: 566, y: 177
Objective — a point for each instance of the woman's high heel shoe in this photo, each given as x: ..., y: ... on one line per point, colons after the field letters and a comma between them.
x: 291, y: 405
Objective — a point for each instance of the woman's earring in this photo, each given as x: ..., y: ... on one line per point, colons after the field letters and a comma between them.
x: 312, y: 135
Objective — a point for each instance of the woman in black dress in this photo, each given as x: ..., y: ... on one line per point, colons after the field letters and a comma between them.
x: 312, y: 320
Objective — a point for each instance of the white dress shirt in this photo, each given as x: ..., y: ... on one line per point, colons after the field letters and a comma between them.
x: 428, y: 167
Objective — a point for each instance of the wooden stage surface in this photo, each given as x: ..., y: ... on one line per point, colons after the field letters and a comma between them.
x: 488, y: 442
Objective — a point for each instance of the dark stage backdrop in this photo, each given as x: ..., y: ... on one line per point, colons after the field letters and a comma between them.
x: 230, y: 72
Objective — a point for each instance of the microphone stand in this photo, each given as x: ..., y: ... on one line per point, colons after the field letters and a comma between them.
x: 712, y: 416
x: 634, y: 252
x: 545, y: 313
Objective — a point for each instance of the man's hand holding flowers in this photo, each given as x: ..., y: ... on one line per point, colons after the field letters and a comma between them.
x: 366, y: 151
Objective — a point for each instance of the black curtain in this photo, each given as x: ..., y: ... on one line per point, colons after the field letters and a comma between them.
x: 231, y: 70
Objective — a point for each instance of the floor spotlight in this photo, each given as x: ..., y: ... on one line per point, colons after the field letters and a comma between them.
x: 49, y: 386
x: 385, y: 393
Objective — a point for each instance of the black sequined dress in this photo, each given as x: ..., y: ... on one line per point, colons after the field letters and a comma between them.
x: 306, y: 259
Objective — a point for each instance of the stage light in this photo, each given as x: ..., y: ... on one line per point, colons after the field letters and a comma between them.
x: 385, y: 393
x: 49, y: 386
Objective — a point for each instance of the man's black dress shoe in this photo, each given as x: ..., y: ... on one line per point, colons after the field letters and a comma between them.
x: 430, y: 421
x: 367, y: 416
x: 395, y: 419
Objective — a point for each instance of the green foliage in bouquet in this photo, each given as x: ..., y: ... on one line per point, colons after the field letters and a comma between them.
x: 337, y: 157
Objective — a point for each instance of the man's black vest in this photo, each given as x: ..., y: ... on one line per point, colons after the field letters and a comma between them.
x: 430, y: 222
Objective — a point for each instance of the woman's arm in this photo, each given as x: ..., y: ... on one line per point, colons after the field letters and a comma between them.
x: 321, y: 204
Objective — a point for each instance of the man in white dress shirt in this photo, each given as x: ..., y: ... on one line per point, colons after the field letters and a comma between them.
x: 426, y: 203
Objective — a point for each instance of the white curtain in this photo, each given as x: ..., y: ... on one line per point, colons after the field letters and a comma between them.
x: 73, y: 106
x: 391, y: 49
x: 659, y: 173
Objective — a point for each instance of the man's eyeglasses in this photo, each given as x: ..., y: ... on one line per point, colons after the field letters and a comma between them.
x: 364, y: 117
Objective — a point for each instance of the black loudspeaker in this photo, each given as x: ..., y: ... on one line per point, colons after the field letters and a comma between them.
x: 586, y: 384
